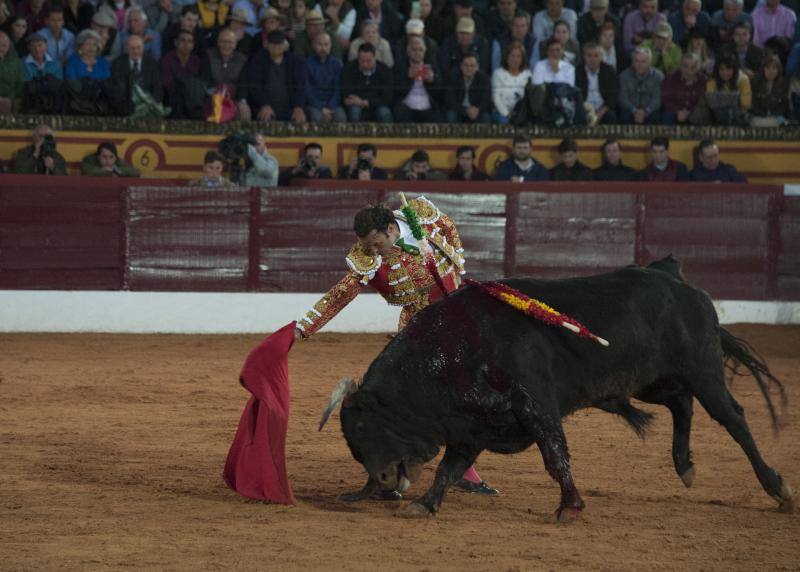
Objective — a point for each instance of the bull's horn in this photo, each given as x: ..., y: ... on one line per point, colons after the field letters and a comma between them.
x: 346, y: 386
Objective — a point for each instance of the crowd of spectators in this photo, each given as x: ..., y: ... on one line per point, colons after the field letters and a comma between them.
x: 461, y: 61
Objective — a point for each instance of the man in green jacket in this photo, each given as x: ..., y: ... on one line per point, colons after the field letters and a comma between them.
x: 12, y: 75
x: 106, y: 163
x: 40, y: 158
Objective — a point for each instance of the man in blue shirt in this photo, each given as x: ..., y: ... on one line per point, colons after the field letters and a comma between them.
x: 60, y: 41
x: 521, y: 167
x: 38, y: 62
x: 711, y: 169
x: 323, y: 86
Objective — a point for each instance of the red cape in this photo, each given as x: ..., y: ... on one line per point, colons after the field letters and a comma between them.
x: 256, y: 464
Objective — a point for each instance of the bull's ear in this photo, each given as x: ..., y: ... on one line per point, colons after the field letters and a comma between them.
x: 344, y: 389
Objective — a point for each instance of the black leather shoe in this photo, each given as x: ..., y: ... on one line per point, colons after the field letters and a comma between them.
x: 386, y: 496
x: 481, y: 489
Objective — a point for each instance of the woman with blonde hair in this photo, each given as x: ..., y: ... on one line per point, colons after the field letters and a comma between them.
x: 509, y: 81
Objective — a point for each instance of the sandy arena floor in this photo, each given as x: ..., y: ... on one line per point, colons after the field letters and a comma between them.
x: 112, y: 448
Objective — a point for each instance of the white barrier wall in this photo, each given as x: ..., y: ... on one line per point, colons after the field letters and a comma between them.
x: 222, y: 313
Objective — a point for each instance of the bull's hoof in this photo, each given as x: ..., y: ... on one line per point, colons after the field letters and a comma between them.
x: 567, y: 514
x: 414, y: 510
x: 787, y: 499
x: 688, y: 477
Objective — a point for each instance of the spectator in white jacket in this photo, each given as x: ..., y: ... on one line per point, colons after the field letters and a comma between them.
x: 554, y: 68
x: 264, y: 169
x: 509, y: 81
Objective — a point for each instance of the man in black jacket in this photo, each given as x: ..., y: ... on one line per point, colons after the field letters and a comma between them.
x: 598, y: 83
x: 367, y: 88
x: 612, y: 168
x: 468, y: 98
x: 366, y: 154
x: 570, y: 168
x: 417, y: 86
x: 135, y: 67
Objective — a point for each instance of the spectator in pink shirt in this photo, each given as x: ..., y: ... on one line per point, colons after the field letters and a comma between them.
x: 771, y: 19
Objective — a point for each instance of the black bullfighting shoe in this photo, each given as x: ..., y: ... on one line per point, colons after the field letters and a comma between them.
x: 386, y: 495
x: 481, y: 489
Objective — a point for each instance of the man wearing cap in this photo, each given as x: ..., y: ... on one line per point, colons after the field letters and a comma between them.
x: 389, y: 23
x: 237, y: 23
x: 270, y: 21
x: 464, y: 41
x: 303, y: 44
x: 273, y: 83
x: 666, y: 54
x: 545, y: 20
x: 415, y: 28
x: 60, y: 42
x: 105, y: 24
x: 590, y: 23
x: 461, y: 9
x: 38, y: 63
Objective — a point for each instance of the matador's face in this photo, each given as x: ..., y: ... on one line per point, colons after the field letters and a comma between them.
x: 381, y: 242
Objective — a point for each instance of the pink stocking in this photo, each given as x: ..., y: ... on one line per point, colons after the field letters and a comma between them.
x: 472, y: 476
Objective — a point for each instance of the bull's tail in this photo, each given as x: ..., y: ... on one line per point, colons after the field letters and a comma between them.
x: 741, y: 355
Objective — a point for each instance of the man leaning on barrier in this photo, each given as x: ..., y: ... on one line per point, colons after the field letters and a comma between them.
x: 40, y: 158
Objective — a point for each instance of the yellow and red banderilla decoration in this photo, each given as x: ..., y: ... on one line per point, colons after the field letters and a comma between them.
x: 534, y: 308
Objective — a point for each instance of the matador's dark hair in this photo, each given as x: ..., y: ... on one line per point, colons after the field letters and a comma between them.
x: 374, y: 217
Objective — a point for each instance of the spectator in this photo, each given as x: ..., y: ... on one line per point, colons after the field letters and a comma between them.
x: 793, y: 61
x: 711, y: 169
x: 723, y: 21
x: 690, y: 17
x: 179, y: 64
x: 249, y: 9
x: 367, y: 88
x: 116, y: 9
x: 272, y: 85
x: 465, y: 169
x: 699, y: 47
x: 323, y: 83
x: 136, y: 25
x: 39, y: 63
x: 271, y: 21
x: 263, y: 171
x: 771, y: 19
x: 418, y: 168
x: 34, y: 12
x: 213, y: 15
x: 612, y: 168
x: 309, y: 167
x: 304, y: 42
x: 742, y: 49
x: 438, y: 28
x: 666, y: 55
x: 366, y: 155
x: 520, y: 166
x: 682, y: 90
x: 728, y: 95
x: 545, y: 20
x: 370, y: 35
x: 661, y: 167
x: 794, y: 95
x: 159, y: 14
x: 520, y: 31
x: 500, y: 17
x: 138, y: 68
x: 612, y: 55
x: 188, y: 21
x: 390, y: 24
x: 213, y: 165
x: 41, y: 157
x: 340, y: 19
x: 590, y: 24
x: 640, y: 24
x: 640, y: 90
x: 509, y: 81
x: 415, y: 28
x: 223, y: 65
x: 570, y: 168
x: 12, y: 76
x: 60, y: 42
x: 104, y: 23
x: 238, y: 24
x: 598, y: 84
x: 297, y: 19
x: 78, y: 15
x: 17, y: 32
x: 468, y: 98
x: 86, y: 61
x: 569, y: 45
x: 106, y: 163
x: 463, y: 42
x: 554, y: 69
x: 770, y: 95
x: 417, y: 86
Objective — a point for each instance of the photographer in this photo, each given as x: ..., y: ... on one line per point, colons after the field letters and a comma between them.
x: 106, y: 163
x: 263, y: 171
x: 309, y: 167
x: 41, y: 158
x: 418, y: 168
x: 362, y: 166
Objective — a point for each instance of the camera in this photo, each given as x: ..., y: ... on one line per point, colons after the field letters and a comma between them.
x: 48, y: 147
x: 306, y: 166
x: 234, y: 149
x: 363, y: 165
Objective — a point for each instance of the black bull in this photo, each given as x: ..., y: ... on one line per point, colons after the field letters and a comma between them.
x: 471, y: 373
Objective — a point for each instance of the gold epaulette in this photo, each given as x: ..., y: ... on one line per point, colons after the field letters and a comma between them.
x: 427, y: 212
x: 363, y: 263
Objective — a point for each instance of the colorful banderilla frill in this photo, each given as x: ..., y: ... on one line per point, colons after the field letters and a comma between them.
x: 534, y: 308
